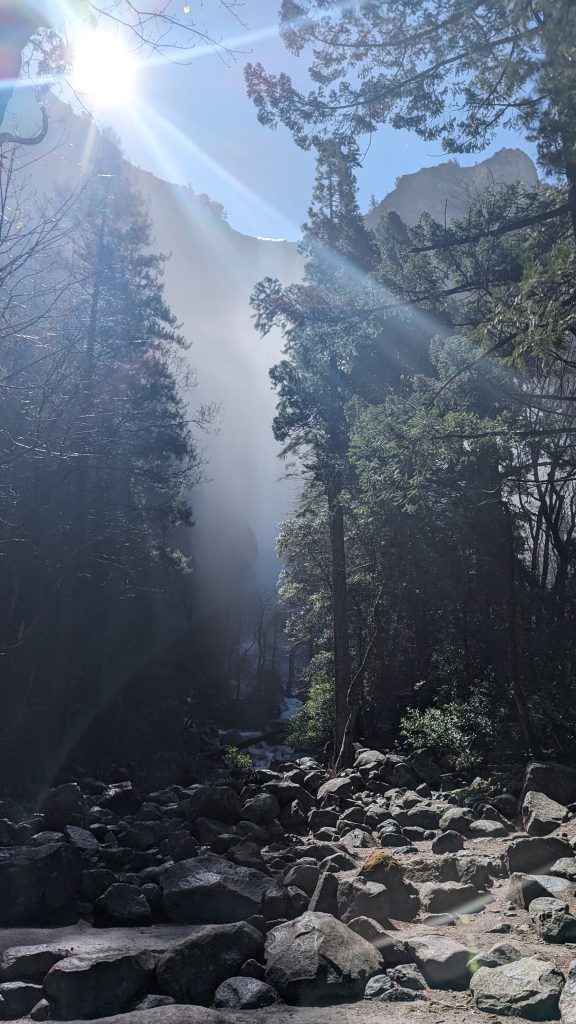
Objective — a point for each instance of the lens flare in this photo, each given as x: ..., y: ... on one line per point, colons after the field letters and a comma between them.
x: 104, y: 70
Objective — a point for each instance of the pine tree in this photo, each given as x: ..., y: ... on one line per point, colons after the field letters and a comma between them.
x: 313, y: 381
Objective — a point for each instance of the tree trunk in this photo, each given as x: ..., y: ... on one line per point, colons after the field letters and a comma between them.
x: 342, y: 667
x: 513, y: 649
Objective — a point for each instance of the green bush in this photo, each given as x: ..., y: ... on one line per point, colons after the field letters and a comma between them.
x: 240, y: 764
x: 312, y: 727
x: 461, y: 731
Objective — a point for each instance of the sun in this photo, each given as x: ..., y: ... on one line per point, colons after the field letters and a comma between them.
x: 103, y: 69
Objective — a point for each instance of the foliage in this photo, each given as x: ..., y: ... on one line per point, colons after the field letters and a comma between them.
x: 240, y: 764
x: 312, y: 727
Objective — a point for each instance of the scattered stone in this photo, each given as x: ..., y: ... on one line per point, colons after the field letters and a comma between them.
x: 528, y: 988
x: 121, y: 798
x: 536, y: 855
x: 244, y: 994
x: 448, y: 842
x: 408, y: 976
x: 443, y: 961
x: 39, y: 885
x: 98, y: 985
x: 552, y: 921
x: 447, y: 897
x: 377, y: 985
x: 210, y: 890
x: 317, y: 959
x: 192, y: 971
x: 542, y: 815
x: 123, y: 904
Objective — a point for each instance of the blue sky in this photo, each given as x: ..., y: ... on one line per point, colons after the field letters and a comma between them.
x: 199, y: 128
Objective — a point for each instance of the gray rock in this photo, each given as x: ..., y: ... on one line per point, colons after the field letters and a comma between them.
x: 565, y: 867
x: 450, y: 897
x: 358, y: 897
x: 210, y: 890
x: 63, y: 805
x: 448, y: 842
x: 192, y: 971
x: 487, y: 828
x: 552, y: 921
x: 219, y: 802
x: 528, y: 988
x: 457, y: 819
x: 317, y: 959
x: 392, y: 950
x: 39, y: 885
x: 262, y: 809
x: 324, y: 899
x: 401, y: 995
x: 499, y: 954
x: 17, y: 998
x: 554, y: 780
x: 166, y: 1015
x: 123, y: 904
x: 335, y: 789
x: 525, y: 888
x: 121, y: 798
x: 244, y: 994
x: 408, y: 976
x: 98, y: 985
x: 29, y: 963
x: 535, y: 855
x: 542, y: 815
x: 443, y: 961
x: 377, y: 985
x: 568, y: 997
x: 152, y: 1001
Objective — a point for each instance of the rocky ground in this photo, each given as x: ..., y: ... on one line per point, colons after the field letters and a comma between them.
x: 382, y: 895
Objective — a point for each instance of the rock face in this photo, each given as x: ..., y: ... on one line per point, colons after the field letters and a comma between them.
x: 529, y: 988
x: 39, y: 885
x: 448, y: 188
x: 210, y: 890
x: 192, y: 971
x: 317, y: 959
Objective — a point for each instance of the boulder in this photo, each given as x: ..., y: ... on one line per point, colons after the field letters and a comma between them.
x: 537, y: 854
x: 525, y: 888
x: 192, y: 971
x: 528, y: 988
x: 122, y: 903
x: 552, y: 921
x: 97, y: 985
x: 568, y: 997
x: 408, y: 976
x: 565, y: 867
x: 358, y: 897
x: 541, y: 815
x: 262, y: 809
x: 317, y: 959
x: 29, y: 963
x: 244, y: 994
x: 17, y: 998
x: 377, y: 985
x: 443, y: 961
x: 39, y: 885
x: 121, y: 798
x: 552, y: 779
x: 448, y: 842
x: 219, y: 802
x: 335, y: 789
x: 392, y: 949
x: 496, y: 956
x: 210, y: 890
x: 164, y: 1015
x: 449, y: 897
x: 63, y: 805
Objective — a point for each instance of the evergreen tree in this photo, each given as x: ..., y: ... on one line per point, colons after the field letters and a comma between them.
x: 313, y: 381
